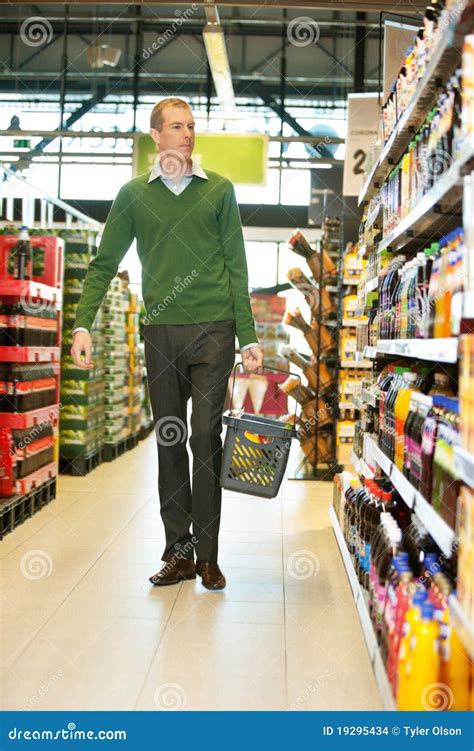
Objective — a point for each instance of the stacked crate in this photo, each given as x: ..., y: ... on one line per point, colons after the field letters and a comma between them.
x: 30, y: 326
x: 116, y: 362
x: 134, y: 366
x: 82, y: 409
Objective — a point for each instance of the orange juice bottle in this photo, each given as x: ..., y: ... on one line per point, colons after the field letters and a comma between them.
x: 423, y: 664
x: 455, y: 668
x: 411, y: 618
x: 401, y: 410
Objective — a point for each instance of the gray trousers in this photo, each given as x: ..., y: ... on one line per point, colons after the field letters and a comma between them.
x: 183, y: 361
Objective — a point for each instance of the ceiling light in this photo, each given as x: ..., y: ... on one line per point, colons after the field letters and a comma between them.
x: 99, y: 55
x: 217, y: 55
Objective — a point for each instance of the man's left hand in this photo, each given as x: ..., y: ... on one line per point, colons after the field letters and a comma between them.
x: 252, y: 360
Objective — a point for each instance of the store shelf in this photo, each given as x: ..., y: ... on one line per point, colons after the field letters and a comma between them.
x: 349, y: 322
x: 355, y: 461
x: 372, y: 217
x: 462, y: 624
x: 370, y: 352
x: 363, y: 364
x: 371, y: 285
x: 464, y: 464
x: 421, y: 218
x: 368, y: 397
x: 366, y: 624
x: 361, y: 466
x: 346, y: 405
x: 356, y: 402
x: 444, y: 59
x: 435, y: 350
x: 441, y: 533
x: 350, y: 281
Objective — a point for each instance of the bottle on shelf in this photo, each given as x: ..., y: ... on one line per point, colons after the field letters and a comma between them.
x: 23, y: 256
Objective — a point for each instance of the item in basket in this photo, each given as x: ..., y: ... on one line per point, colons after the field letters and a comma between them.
x: 257, y: 389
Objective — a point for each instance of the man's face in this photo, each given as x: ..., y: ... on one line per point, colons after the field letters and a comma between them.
x: 177, y: 133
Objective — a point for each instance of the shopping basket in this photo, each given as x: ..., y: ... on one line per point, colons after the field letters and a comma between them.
x: 256, y: 451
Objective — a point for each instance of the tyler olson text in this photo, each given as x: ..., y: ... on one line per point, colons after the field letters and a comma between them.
x: 436, y: 730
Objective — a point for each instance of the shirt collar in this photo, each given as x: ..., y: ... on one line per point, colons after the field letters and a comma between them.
x: 158, y: 172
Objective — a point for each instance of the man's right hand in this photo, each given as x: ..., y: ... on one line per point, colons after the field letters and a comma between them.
x: 82, y: 343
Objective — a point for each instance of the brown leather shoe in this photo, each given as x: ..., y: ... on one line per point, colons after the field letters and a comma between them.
x: 175, y: 570
x: 212, y: 576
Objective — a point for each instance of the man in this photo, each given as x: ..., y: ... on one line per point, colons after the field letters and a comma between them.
x: 195, y: 288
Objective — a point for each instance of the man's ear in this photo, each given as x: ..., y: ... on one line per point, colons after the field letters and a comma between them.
x: 155, y: 134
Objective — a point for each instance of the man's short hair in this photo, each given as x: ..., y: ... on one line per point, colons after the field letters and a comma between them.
x: 156, y: 117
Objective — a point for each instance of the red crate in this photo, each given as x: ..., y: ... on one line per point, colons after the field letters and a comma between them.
x: 37, y: 478
x: 51, y: 246
x: 25, y: 290
x: 30, y: 354
x: 30, y: 419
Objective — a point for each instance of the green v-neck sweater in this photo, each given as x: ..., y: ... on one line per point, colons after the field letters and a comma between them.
x: 191, y: 250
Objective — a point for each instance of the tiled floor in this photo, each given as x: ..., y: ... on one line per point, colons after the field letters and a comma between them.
x: 82, y: 628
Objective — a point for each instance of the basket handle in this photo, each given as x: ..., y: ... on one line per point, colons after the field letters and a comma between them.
x: 265, y: 367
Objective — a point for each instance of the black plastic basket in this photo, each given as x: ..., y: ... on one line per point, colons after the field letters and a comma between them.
x: 255, y: 468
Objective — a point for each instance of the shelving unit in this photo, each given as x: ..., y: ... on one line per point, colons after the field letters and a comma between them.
x: 365, y: 622
x: 434, y: 350
x: 320, y: 461
x: 430, y: 213
x: 431, y: 219
x: 443, y: 62
x: 441, y: 533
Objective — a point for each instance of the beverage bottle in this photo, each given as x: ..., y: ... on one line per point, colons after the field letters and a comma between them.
x: 442, y: 385
x: 399, y: 565
x: 387, y: 547
x: 458, y: 274
x: 455, y: 666
x: 428, y: 442
x: 419, y: 544
x: 423, y: 662
x: 408, y: 435
x: 434, y: 290
x: 401, y: 409
x: 440, y: 297
x: 414, y: 457
x: 446, y: 501
x: 23, y: 256
x: 383, y: 383
x: 404, y: 591
x: 405, y: 280
x: 410, y: 620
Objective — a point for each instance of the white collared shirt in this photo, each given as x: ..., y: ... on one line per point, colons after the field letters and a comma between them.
x: 171, y: 184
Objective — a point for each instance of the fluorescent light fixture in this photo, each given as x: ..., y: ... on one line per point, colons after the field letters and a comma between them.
x: 99, y: 55
x: 217, y: 55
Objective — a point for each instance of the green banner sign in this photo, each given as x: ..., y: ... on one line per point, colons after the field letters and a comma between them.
x: 243, y: 158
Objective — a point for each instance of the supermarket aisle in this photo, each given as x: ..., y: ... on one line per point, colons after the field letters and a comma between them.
x: 83, y: 629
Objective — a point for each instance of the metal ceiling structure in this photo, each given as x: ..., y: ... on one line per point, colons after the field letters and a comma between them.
x: 162, y: 51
